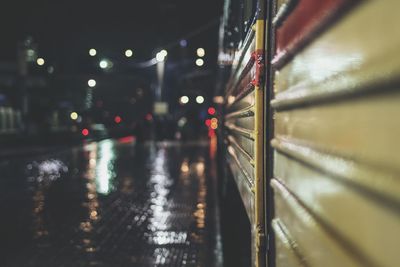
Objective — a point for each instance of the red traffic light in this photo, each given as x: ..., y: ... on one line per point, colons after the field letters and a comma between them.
x: 211, y: 110
x: 149, y: 117
x: 117, y: 119
x: 85, y: 132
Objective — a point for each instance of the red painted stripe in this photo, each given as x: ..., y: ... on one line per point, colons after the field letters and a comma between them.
x: 302, y: 22
x: 251, y: 75
x: 258, y: 56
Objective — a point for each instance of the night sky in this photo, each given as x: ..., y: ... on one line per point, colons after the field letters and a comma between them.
x: 69, y: 28
x: 65, y: 31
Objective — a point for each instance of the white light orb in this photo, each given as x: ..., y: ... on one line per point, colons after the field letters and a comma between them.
x: 92, y: 52
x: 128, y: 53
x: 201, y: 52
x: 184, y: 99
x: 74, y: 116
x: 40, y: 61
x: 103, y: 64
x: 92, y: 83
x: 200, y: 99
x: 199, y: 62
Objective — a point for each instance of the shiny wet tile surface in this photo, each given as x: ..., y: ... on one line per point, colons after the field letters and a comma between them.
x: 109, y: 204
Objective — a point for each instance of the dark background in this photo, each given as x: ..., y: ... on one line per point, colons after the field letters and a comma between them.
x: 64, y: 31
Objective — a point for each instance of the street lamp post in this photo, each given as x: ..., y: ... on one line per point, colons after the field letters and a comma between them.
x: 160, y: 57
x: 26, y: 53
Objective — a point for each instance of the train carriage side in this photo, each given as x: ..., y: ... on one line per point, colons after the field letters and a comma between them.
x: 243, y: 121
x: 336, y: 104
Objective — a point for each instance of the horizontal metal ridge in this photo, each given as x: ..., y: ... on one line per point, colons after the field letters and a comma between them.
x: 245, y: 112
x: 235, y: 82
x: 349, y: 84
x: 233, y: 141
x: 242, y: 131
x: 248, y: 179
x: 245, y: 47
x: 306, y: 213
x: 386, y: 187
x: 282, y: 233
x: 242, y: 94
x: 283, y: 12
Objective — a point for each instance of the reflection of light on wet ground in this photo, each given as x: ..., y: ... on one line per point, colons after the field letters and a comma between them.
x: 105, y: 166
x: 91, y: 201
x: 200, y: 213
x: 185, y: 166
x: 185, y: 171
x: 47, y: 170
x: 42, y: 174
x: 153, y: 217
x: 127, y: 185
x: 161, y: 182
x: 167, y: 237
x: 200, y: 167
x: 38, y: 214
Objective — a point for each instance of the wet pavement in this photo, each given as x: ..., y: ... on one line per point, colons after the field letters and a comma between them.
x: 110, y: 203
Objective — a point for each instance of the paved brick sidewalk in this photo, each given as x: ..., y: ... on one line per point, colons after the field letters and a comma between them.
x: 109, y: 204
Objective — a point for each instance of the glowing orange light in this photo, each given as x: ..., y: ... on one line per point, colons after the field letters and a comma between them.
x: 211, y: 133
x: 85, y: 132
x: 211, y: 111
x: 214, y: 126
x: 214, y: 120
x: 117, y: 119
x: 208, y: 122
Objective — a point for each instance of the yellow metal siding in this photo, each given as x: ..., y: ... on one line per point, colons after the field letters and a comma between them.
x: 360, y: 51
x: 313, y: 246
x: 337, y: 129
x: 287, y: 254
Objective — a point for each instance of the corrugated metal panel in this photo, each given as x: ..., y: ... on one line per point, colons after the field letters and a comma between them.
x: 243, y: 183
x: 310, y: 241
x: 244, y: 127
x: 336, y: 144
x: 239, y: 122
x: 287, y: 250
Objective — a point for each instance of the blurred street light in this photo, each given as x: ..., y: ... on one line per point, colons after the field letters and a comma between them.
x: 184, y: 99
x: 30, y: 53
x: 211, y: 111
x: 218, y: 99
x: 164, y: 53
x: 160, y: 56
x: 40, y: 61
x: 128, y: 53
x: 103, y: 64
x: 92, y: 83
x: 199, y: 62
x: 182, y: 121
x: 214, y: 123
x: 117, y: 119
x: 183, y: 43
x: 92, y: 52
x: 201, y: 52
x: 200, y: 99
x: 85, y: 132
x: 74, y: 115
x: 50, y: 69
